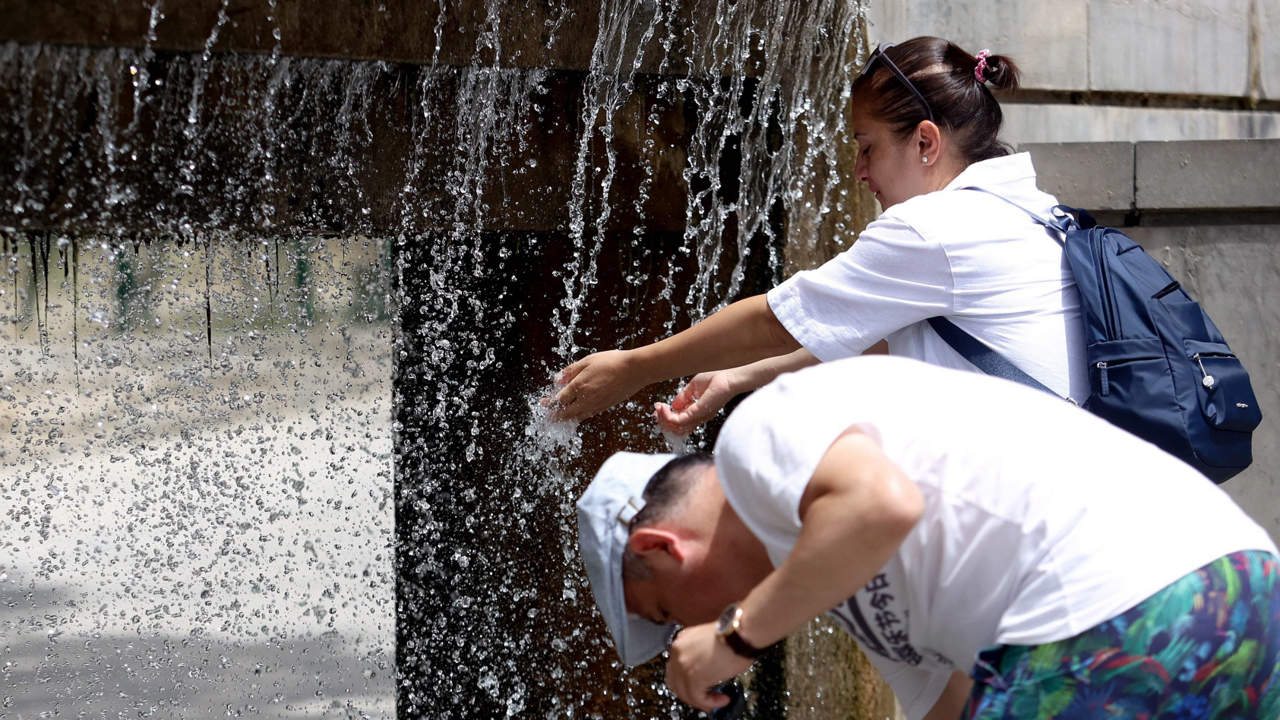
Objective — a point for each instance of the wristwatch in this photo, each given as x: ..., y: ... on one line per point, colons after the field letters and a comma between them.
x: 727, y: 628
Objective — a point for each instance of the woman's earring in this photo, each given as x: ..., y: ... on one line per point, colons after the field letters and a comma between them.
x: 925, y: 159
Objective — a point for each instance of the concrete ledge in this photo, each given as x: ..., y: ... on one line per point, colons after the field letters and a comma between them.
x: 1027, y: 123
x: 1212, y: 175
x: 1095, y: 176
x: 1179, y: 177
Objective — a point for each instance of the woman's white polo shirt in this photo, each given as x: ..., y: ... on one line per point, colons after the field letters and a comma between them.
x: 958, y: 253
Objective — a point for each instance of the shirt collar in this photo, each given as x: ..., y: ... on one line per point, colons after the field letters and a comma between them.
x: 996, y: 172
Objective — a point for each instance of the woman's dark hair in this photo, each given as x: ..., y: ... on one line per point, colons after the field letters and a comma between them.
x: 944, y: 74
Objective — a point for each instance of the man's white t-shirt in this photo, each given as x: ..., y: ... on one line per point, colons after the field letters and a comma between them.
x: 1040, y: 521
x: 977, y: 260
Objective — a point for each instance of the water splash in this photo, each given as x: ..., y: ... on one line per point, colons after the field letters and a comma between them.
x: 551, y: 438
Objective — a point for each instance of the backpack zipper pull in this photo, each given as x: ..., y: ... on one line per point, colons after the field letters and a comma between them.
x: 1102, y: 377
x: 1207, y: 380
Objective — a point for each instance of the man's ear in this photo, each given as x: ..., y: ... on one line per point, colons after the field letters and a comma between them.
x: 652, y: 543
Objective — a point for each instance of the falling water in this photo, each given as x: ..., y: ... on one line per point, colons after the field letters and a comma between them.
x: 140, y: 73
x: 320, y: 298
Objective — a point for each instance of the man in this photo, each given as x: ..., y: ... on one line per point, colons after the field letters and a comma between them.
x: 954, y: 524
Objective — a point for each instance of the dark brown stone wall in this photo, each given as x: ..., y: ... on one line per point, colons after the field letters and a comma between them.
x: 502, y: 33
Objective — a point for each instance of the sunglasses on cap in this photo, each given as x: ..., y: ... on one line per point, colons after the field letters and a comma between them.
x: 879, y: 54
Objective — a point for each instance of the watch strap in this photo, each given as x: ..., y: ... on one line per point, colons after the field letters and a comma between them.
x: 742, y: 647
x: 729, y: 622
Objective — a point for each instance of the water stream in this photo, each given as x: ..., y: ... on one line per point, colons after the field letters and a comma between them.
x: 276, y: 326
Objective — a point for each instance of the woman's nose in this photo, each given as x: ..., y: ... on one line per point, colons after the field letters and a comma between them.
x: 860, y: 169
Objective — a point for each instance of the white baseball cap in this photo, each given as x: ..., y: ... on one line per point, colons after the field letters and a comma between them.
x: 605, y: 512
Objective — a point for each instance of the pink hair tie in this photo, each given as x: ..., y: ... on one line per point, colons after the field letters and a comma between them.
x: 980, y: 70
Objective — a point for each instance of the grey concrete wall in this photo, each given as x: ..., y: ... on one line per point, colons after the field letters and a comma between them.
x: 1268, y: 56
x: 1091, y: 67
x: 1210, y: 211
x: 1049, y: 35
x: 1199, y: 48
x: 1205, y: 47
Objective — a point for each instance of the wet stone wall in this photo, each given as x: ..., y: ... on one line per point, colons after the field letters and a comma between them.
x: 282, y: 287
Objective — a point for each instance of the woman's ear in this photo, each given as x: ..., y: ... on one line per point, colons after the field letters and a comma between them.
x: 929, y: 141
x: 654, y: 544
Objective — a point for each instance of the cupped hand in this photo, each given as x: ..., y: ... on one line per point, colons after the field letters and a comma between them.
x: 697, y: 402
x: 699, y: 661
x: 595, y: 383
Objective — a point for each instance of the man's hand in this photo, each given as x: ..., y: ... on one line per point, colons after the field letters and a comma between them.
x: 699, y: 661
x: 595, y: 383
x: 697, y: 402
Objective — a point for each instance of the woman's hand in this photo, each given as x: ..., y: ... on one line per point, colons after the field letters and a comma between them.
x: 698, y: 662
x: 703, y: 396
x: 595, y: 383
x: 697, y: 402
x: 741, y: 333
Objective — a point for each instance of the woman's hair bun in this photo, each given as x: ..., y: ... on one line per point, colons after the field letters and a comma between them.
x: 956, y: 86
x: 1001, y: 72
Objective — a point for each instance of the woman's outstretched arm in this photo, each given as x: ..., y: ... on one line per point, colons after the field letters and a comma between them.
x: 739, y: 334
x: 706, y: 393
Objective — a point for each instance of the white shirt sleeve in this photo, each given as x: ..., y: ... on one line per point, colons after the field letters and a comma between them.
x: 892, y: 277
x: 764, y: 475
x: 767, y: 451
x: 917, y: 689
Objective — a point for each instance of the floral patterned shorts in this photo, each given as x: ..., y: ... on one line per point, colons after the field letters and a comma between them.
x: 1206, y: 647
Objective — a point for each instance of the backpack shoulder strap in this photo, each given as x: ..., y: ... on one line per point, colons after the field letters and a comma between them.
x: 970, y: 348
x: 1059, y: 226
x: 984, y: 358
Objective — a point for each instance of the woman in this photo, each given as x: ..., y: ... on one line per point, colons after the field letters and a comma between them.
x: 927, y: 125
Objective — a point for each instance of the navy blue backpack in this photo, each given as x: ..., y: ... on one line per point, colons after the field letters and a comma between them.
x: 1158, y: 366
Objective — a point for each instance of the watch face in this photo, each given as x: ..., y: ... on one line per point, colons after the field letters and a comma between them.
x: 728, y: 620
